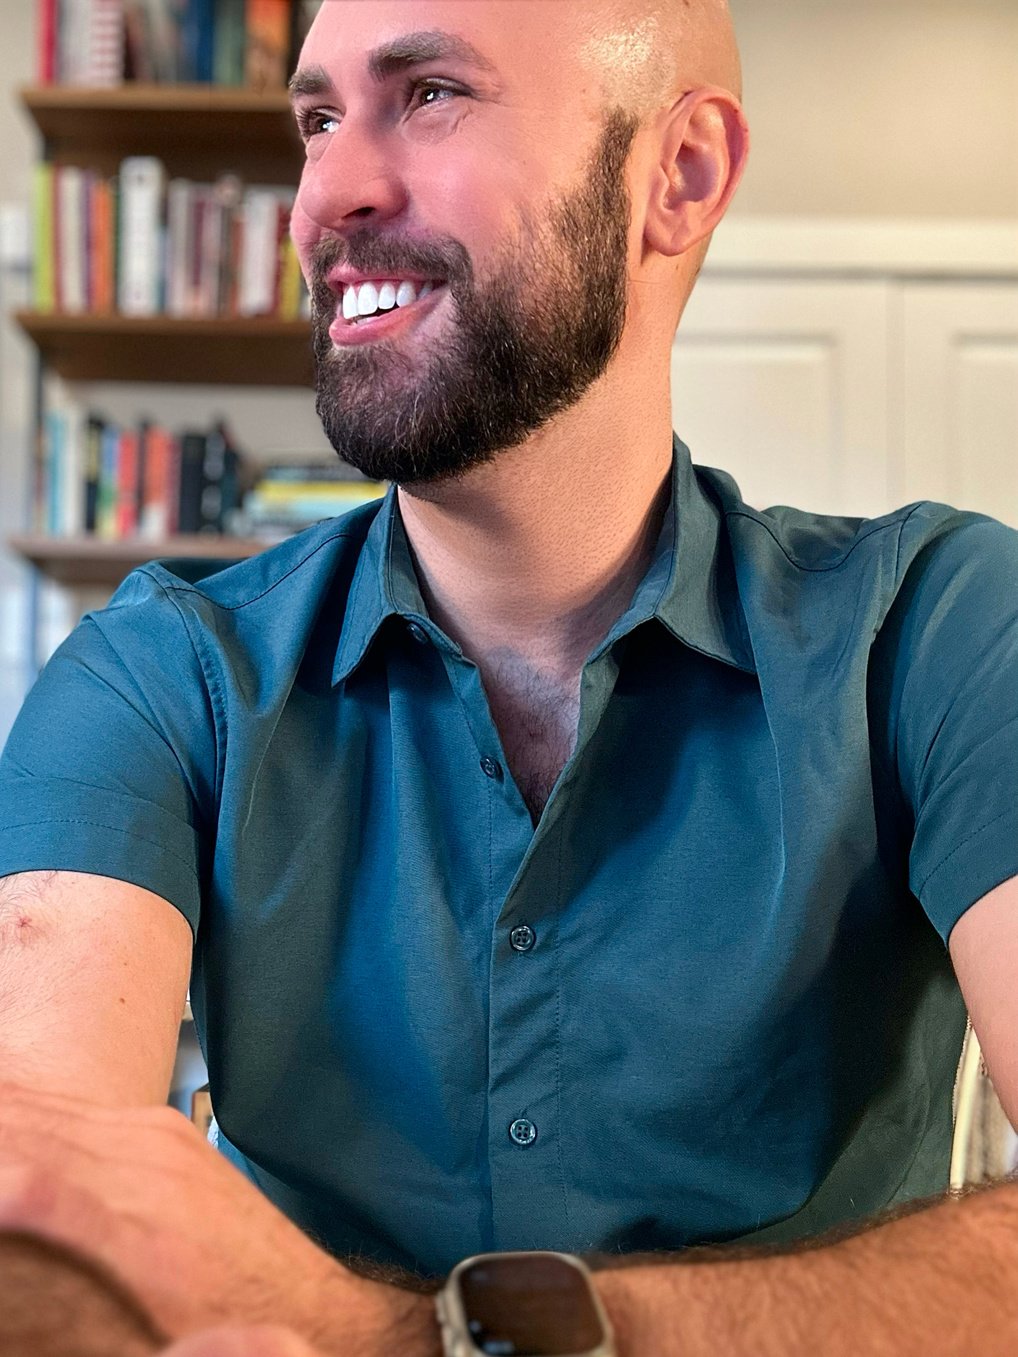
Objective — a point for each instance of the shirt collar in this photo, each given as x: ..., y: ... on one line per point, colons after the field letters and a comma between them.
x: 690, y: 586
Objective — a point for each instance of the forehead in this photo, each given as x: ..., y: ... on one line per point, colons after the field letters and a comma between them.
x: 517, y: 41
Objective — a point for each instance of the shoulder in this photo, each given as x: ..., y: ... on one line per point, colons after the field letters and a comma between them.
x: 901, y: 546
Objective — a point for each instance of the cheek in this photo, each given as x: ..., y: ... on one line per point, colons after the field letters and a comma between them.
x: 305, y: 234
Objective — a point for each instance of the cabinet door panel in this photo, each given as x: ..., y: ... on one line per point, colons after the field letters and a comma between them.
x: 958, y: 416
x: 784, y: 383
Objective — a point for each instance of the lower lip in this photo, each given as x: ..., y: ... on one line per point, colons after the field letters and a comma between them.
x: 345, y: 332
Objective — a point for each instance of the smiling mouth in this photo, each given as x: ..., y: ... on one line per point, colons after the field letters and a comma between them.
x: 366, y: 303
x: 384, y: 322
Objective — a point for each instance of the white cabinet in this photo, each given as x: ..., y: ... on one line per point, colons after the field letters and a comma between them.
x: 856, y: 373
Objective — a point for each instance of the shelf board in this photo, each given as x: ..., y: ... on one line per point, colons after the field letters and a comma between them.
x: 81, y: 561
x: 256, y: 351
x: 199, y: 131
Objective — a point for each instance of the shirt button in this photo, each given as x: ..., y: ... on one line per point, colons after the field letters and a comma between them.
x: 522, y: 938
x: 418, y: 633
x: 523, y: 1131
x: 491, y: 767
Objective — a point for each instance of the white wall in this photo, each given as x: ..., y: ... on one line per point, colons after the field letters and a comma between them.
x: 880, y: 107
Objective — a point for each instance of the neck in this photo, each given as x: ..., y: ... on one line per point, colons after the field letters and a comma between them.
x: 539, y: 552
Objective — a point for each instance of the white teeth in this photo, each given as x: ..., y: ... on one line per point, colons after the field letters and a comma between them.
x: 364, y: 299
x: 367, y: 299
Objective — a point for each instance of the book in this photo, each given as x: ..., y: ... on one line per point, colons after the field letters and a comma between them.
x: 102, y: 63
x: 43, y: 260
x: 71, y: 216
x: 140, y: 249
x: 268, y: 43
x: 46, y: 41
x: 229, y: 42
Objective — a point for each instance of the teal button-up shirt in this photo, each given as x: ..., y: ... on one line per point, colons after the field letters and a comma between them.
x: 707, y: 998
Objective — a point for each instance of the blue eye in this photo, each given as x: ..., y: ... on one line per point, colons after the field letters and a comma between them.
x: 313, y: 122
x: 425, y: 87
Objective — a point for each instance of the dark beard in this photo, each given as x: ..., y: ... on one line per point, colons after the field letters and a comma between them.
x: 522, y: 348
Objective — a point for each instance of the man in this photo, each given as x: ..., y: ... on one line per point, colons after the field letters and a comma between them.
x: 565, y: 843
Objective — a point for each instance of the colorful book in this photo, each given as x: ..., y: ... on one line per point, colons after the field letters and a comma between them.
x: 268, y: 43
x: 44, y: 263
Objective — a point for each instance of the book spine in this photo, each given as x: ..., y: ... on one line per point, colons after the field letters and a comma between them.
x: 213, y: 470
x: 72, y: 490
x: 229, y: 42
x: 127, y: 485
x: 153, y: 518
x: 43, y: 270
x: 46, y: 41
x: 52, y: 461
x: 192, y: 457
x: 172, y: 485
x: 179, y: 195
x: 267, y: 24
x: 106, y: 499
x: 71, y: 192
x: 103, y: 64
x: 141, y: 193
x: 93, y: 469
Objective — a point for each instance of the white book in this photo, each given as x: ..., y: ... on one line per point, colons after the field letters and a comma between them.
x: 72, y: 496
x: 141, y: 198
x: 103, y: 55
x: 71, y: 255
x: 179, y: 244
x: 257, y: 246
x: 259, y: 251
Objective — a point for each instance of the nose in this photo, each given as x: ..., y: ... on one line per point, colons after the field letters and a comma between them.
x: 350, y: 183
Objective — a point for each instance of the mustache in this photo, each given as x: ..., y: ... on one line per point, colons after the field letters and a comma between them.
x: 369, y: 253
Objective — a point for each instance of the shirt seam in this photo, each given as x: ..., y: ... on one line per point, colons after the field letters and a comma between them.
x: 826, y: 569
x: 113, y: 829
x: 217, y: 701
x: 959, y: 846
x: 184, y: 588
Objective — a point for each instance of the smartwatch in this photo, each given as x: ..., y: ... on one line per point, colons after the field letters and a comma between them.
x: 533, y: 1304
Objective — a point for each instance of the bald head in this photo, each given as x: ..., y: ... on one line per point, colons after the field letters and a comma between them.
x: 647, y: 52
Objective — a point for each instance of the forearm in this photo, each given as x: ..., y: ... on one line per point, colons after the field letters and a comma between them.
x: 943, y: 1280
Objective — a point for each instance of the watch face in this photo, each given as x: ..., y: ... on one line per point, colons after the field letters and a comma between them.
x: 531, y: 1306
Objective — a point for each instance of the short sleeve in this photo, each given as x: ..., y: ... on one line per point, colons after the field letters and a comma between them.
x: 110, y: 764
x: 954, y: 626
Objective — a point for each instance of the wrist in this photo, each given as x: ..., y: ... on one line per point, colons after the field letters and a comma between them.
x: 361, y: 1318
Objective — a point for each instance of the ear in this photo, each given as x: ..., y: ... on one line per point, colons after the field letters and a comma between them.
x: 704, y: 146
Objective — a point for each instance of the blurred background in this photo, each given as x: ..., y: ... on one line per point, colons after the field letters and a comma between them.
x: 852, y: 345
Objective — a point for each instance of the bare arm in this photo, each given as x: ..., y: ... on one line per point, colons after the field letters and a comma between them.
x: 938, y: 1282
x: 93, y: 976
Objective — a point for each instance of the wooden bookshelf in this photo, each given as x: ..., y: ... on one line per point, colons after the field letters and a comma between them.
x: 242, y: 351
x: 93, y: 561
x: 194, y: 129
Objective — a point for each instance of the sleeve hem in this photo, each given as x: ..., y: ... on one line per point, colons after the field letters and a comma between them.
x: 69, y: 845
x: 972, y: 869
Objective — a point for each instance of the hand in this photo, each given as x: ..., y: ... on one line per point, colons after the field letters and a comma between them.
x: 257, y: 1342
x: 142, y: 1191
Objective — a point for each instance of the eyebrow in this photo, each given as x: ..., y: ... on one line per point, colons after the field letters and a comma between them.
x: 411, y: 49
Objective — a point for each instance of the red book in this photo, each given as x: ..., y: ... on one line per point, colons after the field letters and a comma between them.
x: 154, y: 521
x: 127, y: 485
x: 46, y: 35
